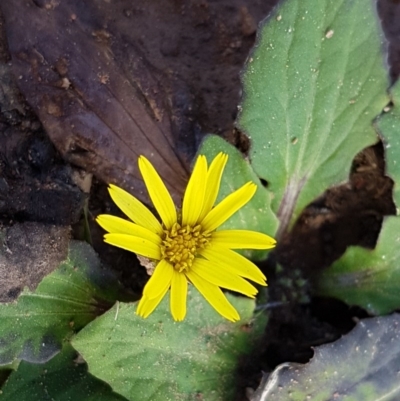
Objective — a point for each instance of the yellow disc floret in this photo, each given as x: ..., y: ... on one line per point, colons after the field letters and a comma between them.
x: 180, y: 245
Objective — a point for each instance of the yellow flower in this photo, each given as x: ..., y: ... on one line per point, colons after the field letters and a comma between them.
x: 186, y: 247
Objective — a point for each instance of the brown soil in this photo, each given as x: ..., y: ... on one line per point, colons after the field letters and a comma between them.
x: 192, y: 53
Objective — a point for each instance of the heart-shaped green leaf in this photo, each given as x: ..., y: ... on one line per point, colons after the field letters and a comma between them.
x: 312, y: 86
x: 33, y: 328
x: 157, y: 359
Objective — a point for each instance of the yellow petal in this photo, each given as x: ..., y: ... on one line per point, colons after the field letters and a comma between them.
x: 242, y: 239
x: 116, y: 225
x: 141, y: 246
x: 213, y: 182
x: 214, y: 296
x: 236, y: 263
x: 178, y: 296
x: 194, y: 194
x: 159, y: 281
x: 222, y: 277
x: 146, y: 306
x: 227, y: 207
x: 134, y: 209
x: 158, y: 192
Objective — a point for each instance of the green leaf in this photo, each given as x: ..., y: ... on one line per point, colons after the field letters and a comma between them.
x: 363, y: 365
x: 312, y: 86
x: 64, y: 378
x: 257, y: 214
x: 33, y: 328
x: 368, y: 278
x: 157, y: 359
x: 371, y: 278
x: 389, y: 127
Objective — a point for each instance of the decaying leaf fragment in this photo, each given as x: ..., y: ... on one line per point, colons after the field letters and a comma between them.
x: 100, y: 101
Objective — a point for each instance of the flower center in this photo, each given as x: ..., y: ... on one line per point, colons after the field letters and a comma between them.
x: 181, y: 245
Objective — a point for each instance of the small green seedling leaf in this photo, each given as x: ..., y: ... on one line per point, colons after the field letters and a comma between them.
x: 33, y: 327
x: 367, y: 278
x: 64, y: 378
x: 363, y: 365
x: 257, y: 214
x: 157, y: 359
x: 312, y: 87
